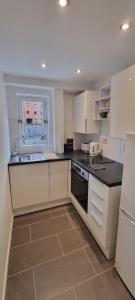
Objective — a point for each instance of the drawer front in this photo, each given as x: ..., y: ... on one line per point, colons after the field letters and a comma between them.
x: 97, y: 209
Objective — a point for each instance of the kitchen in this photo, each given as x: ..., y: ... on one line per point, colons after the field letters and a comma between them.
x: 67, y: 140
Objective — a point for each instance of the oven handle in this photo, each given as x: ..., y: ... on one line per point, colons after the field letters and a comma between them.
x: 78, y: 176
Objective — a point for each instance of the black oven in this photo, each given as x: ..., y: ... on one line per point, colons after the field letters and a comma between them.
x: 79, y: 185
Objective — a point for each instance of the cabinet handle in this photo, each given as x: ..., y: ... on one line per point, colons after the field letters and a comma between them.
x: 96, y: 219
x: 85, y: 125
x: 95, y: 192
x: 130, y: 218
x: 97, y: 207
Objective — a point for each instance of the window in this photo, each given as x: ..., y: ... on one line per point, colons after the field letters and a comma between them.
x: 33, y: 119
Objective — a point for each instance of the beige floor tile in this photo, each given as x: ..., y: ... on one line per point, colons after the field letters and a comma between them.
x: 105, y: 287
x: 75, y: 239
x: 61, y: 274
x: 27, y: 256
x: 21, y: 287
x: 49, y: 227
x: 20, y: 236
x: 31, y: 218
x: 65, y: 296
x: 60, y: 210
x: 76, y: 220
x: 98, y: 259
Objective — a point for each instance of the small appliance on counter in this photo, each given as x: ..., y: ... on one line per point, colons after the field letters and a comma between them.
x: 68, y: 147
x: 94, y: 149
x: 85, y: 147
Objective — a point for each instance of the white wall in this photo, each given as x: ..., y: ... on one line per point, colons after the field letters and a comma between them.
x: 58, y: 121
x: 68, y: 116
x: 5, y: 200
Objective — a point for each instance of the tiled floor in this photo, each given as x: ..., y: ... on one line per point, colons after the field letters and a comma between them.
x: 54, y: 257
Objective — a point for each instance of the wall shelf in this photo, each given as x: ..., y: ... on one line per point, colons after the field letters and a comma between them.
x: 103, y: 103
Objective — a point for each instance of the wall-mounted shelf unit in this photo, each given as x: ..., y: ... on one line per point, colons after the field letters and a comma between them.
x: 102, y: 105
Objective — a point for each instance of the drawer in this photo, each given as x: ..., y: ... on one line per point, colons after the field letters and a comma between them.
x: 97, y: 224
x: 97, y: 187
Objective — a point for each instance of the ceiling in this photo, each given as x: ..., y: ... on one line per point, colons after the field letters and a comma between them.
x: 86, y: 34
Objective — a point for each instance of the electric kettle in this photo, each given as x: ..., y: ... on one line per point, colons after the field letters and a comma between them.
x: 95, y: 149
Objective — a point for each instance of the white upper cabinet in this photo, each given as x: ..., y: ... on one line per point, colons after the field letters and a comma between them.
x: 83, y: 113
x: 122, y: 117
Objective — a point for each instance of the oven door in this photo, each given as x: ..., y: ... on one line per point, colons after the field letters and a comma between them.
x: 79, y: 188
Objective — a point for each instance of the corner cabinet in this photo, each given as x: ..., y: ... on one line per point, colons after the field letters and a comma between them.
x: 83, y: 113
x: 122, y: 113
x: 39, y: 185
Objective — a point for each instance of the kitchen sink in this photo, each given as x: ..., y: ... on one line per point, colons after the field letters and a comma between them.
x: 35, y: 157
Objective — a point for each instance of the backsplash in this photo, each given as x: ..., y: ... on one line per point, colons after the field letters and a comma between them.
x: 84, y: 138
x: 113, y: 149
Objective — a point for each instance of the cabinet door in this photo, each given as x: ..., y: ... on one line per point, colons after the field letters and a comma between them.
x: 29, y: 185
x: 80, y: 114
x: 58, y: 180
x: 83, y: 113
x: 91, y: 125
x: 123, y: 103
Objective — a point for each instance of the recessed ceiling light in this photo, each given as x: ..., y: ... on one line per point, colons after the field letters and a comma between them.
x: 44, y: 66
x: 130, y: 79
x: 63, y: 3
x: 78, y: 71
x: 125, y: 26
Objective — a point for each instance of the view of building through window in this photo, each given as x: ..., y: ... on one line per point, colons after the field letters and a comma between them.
x: 33, y: 119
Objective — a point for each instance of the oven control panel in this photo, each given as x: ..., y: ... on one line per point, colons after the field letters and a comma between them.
x: 84, y: 174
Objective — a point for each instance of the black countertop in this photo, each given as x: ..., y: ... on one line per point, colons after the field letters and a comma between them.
x: 110, y: 176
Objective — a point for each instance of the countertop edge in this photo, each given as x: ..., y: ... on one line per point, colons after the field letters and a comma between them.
x: 113, y: 184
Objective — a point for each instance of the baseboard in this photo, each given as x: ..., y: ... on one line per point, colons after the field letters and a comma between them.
x: 50, y: 204
x: 7, y: 261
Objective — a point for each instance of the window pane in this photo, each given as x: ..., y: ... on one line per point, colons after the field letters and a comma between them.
x: 34, y: 126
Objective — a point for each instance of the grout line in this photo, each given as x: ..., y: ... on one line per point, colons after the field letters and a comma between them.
x: 34, y: 285
x: 74, y: 292
x: 86, y: 255
x: 92, y: 277
x: 46, y: 262
x: 33, y: 241
x: 74, y: 286
x: 60, y: 244
x: 70, y: 221
x: 41, y: 221
x: 60, y: 293
x: 23, y: 226
x: 47, y: 236
x: 50, y: 210
x: 30, y: 233
x: 36, y: 266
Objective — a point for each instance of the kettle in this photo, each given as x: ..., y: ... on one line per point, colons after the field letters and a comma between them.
x: 95, y: 149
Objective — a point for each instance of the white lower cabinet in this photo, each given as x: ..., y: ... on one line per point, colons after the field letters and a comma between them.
x: 103, y: 211
x: 29, y: 185
x: 40, y: 183
x: 58, y: 180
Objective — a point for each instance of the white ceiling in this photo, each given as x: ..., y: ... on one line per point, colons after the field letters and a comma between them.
x: 85, y: 35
